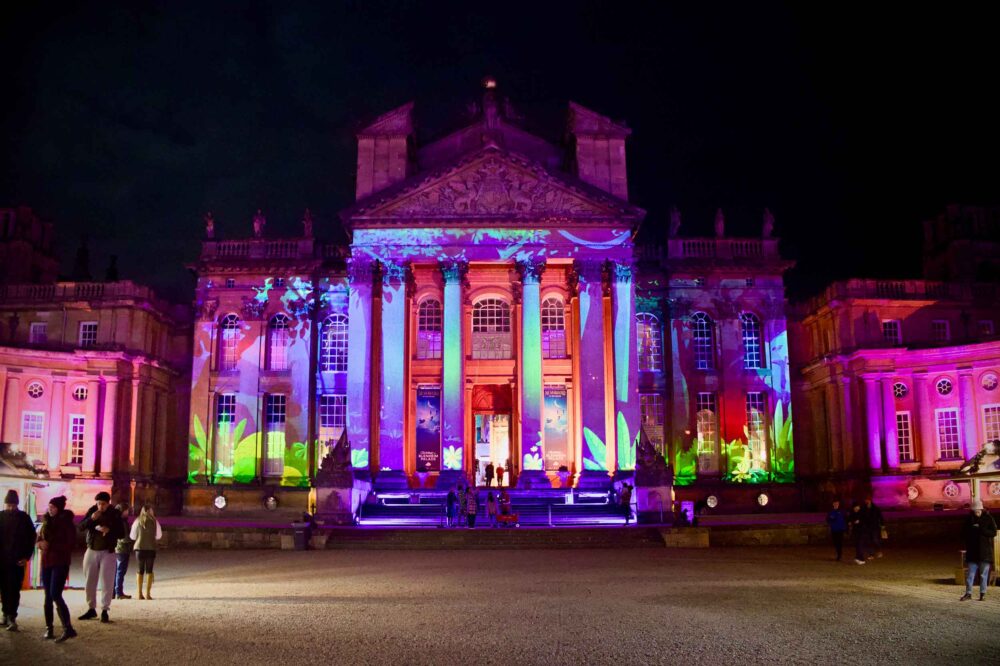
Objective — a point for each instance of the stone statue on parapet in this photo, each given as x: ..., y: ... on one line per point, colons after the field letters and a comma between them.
x: 768, y: 228
x: 307, y: 224
x: 335, y: 468
x: 675, y: 221
x: 259, y: 222
x: 720, y: 224
x: 209, y: 226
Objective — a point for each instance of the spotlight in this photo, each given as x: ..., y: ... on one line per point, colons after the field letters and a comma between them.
x: 271, y: 503
x: 712, y: 501
x: 220, y: 501
x: 763, y: 499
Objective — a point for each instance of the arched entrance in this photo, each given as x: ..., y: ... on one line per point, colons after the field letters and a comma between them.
x: 491, y: 428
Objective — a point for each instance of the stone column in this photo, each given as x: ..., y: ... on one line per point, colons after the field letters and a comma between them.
x: 590, y: 351
x: 58, y: 423
x: 835, y: 422
x: 626, y: 365
x: 968, y: 416
x: 925, y: 418
x: 847, y: 452
x: 3, y: 393
x: 392, y: 405
x: 133, y: 431
x: 109, y: 426
x: 889, y: 423
x: 361, y: 271
x: 530, y: 362
x: 873, y: 434
x: 90, y: 429
x: 453, y: 367
x: 12, y: 410
x: 162, y: 434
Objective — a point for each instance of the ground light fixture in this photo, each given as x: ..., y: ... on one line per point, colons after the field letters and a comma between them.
x: 712, y: 501
x: 763, y: 499
x: 270, y: 502
x: 220, y: 501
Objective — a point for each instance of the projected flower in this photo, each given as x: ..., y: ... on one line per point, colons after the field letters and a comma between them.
x: 533, y: 461
x: 359, y: 458
x: 453, y: 458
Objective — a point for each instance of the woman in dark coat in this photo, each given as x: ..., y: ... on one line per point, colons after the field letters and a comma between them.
x: 56, y: 540
x: 978, y: 533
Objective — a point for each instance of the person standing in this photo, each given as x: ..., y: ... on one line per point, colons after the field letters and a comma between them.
x: 978, y: 533
x: 471, y: 504
x: 451, y: 505
x: 17, y: 543
x: 146, y: 531
x: 874, y: 523
x: 461, y: 503
x: 626, y: 500
x: 103, y: 527
x: 491, y: 508
x: 56, y: 540
x: 489, y: 474
x: 838, y: 525
x: 500, y: 472
x: 123, y: 551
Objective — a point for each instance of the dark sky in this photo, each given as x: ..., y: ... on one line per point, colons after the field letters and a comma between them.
x: 128, y: 121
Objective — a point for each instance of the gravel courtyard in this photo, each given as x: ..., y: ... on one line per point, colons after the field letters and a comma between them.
x: 718, y: 606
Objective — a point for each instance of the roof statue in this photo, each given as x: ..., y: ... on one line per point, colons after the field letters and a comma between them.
x: 675, y: 221
x: 307, y: 224
x: 259, y: 222
x: 720, y: 224
x: 768, y: 227
x: 209, y: 226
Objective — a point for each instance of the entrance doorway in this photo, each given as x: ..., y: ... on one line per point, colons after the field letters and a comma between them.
x: 492, y: 436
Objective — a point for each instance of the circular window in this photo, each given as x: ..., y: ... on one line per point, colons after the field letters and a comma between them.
x: 989, y: 381
x: 951, y: 489
x: 944, y: 386
x: 899, y: 390
x: 995, y: 488
x: 36, y: 390
x: 80, y: 393
x: 912, y: 492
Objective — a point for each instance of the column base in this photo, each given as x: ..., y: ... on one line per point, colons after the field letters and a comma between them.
x: 394, y: 479
x: 593, y: 480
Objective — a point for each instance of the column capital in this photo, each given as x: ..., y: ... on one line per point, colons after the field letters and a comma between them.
x: 361, y: 270
x: 589, y: 271
x: 530, y: 270
x: 454, y: 271
x: 621, y: 271
x: 394, y: 273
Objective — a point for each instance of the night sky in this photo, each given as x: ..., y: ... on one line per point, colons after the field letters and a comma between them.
x: 128, y: 121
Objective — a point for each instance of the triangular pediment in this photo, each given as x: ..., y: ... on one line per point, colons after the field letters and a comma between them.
x: 492, y: 185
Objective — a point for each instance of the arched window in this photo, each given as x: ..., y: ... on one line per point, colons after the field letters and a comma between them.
x: 333, y: 344
x: 491, y: 337
x: 277, y: 352
x: 429, y: 317
x: 703, y: 340
x: 647, y: 330
x: 750, y: 327
x: 553, y: 328
x: 229, y: 338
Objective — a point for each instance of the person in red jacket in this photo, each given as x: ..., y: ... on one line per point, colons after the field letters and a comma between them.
x: 56, y: 540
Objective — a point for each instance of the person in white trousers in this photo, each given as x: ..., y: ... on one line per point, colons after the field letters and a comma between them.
x: 103, y: 527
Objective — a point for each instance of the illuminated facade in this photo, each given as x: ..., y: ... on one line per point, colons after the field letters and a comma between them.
x: 490, y: 308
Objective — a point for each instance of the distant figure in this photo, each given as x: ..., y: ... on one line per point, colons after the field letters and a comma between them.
x: 491, y: 509
x: 103, y: 527
x: 675, y: 221
x: 500, y: 473
x: 123, y: 551
x: 146, y: 531
x: 307, y: 224
x: 489, y: 474
x: 838, y: 525
x: 259, y: 222
x: 768, y: 226
x: 855, y: 525
x: 56, y: 539
x: 504, y: 502
x: 471, y: 506
x: 978, y: 533
x: 720, y: 224
x: 17, y: 544
x: 209, y: 226
x: 451, y: 504
x: 626, y: 500
x: 461, y: 502
x: 874, y: 524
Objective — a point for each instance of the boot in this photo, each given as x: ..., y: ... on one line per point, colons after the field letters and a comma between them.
x: 149, y: 585
x: 138, y: 584
x: 49, y: 634
x: 68, y: 633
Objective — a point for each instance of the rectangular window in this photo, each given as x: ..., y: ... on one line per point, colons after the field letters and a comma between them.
x: 985, y: 328
x: 88, y: 333
x: 332, y: 417
x: 904, y: 436
x: 39, y: 333
x: 891, y: 332
x: 77, y: 426
x: 274, y: 419
x: 230, y: 283
x: 554, y: 344
x: 940, y: 331
x: 225, y: 423
x: 32, y: 431
x: 651, y: 415
x: 757, y: 441
x: 991, y: 422
x: 707, y: 423
x: 279, y: 282
x: 949, y: 444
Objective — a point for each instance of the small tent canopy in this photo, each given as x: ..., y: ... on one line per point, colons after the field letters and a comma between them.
x: 984, y: 466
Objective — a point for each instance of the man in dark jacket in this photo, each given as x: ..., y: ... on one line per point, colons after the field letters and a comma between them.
x: 978, y: 533
x: 838, y: 525
x: 17, y: 543
x: 872, y: 523
x: 103, y: 527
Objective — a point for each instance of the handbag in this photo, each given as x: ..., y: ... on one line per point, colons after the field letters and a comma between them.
x: 884, y: 533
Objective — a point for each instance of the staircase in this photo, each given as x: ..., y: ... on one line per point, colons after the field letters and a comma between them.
x: 352, y: 538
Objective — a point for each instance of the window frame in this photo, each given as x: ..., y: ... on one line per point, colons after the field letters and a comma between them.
x: 333, y: 343
x: 953, y: 412
x: 275, y: 422
x: 493, y: 327
x: 897, y: 339
x: 230, y: 326
x: 35, y: 326
x: 430, y: 329
x: 76, y: 439
x: 224, y: 445
x: 703, y: 341
x: 278, y: 340
x: 904, y: 440
x: 752, y: 338
x: 87, y: 327
x: 32, y: 413
x: 710, y: 405
x: 553, y: 312
x: 939, y: 327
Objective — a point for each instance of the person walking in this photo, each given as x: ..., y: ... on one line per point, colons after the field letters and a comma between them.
x: 17, y: 544
x: 123, y: 551
x: 471, y: 504
x: 146, y: 531
x: 103, y: 527
x: 626, y: 500
x: 874, y: 524
x: 489, y: 474
x: 838, y: 525
x: 451, y: 504
x: 500, y: 473
x: 491, y: 508
x: 56, y: 540
x: 978, y: 533
x: 855, y: 523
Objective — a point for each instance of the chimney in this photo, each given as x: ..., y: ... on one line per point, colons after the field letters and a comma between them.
x: 383, y: 150
x: 600, y: 150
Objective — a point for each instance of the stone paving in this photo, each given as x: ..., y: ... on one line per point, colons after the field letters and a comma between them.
x: 638, y: 606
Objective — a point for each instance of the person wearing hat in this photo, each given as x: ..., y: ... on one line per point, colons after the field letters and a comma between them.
x: 56, y: 540
x: 103, y: 527
x: 17, y: 543
x: 978, y: 532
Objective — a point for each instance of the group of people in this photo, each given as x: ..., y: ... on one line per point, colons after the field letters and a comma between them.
x: 110, y: 542
x: 462, y: 501
x: 864, y: 524
x: 488, y: 474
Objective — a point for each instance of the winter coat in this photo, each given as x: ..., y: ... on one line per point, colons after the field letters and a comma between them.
x: 124, y: 545
x: 837, y: 521
x: 17, y: 537
x: 112, y: 519
x: 978, y: 533
x: 59, y: 535
x: 145, y: 535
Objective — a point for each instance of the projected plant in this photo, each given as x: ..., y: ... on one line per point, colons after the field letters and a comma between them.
x: 596, y: 457
x: 453, y: 457
x: 685, y: 462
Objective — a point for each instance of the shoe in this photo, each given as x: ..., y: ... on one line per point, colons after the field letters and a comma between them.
x: 858, y: 561
x: 149, y: 586
x: 12, y: 626
x: 138, y: 585
x: 104, y: 617
x: 123, y: 596
x: 878, y: 555
x: 89, y: 615
x: 3, y: 622
x: 67, y: 634
x: 966, y: 597
x: 49, y: 634
x: 982, y: 596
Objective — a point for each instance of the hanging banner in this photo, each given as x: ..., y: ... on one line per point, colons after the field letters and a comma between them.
x: 556, y: 428
x: 429, y: 429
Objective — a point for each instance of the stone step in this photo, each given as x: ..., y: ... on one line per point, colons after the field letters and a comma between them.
x: 495, y: 538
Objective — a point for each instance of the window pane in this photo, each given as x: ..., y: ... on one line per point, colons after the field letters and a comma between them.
x: 649, y: 339
x: 429, y: 325
x: 553, y: 329
x: 32, y: 430
x: 948, y: 437
x: 750, y: 327
x: 491, y: 338
x: 703, y: 334
x: 333, y: 344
